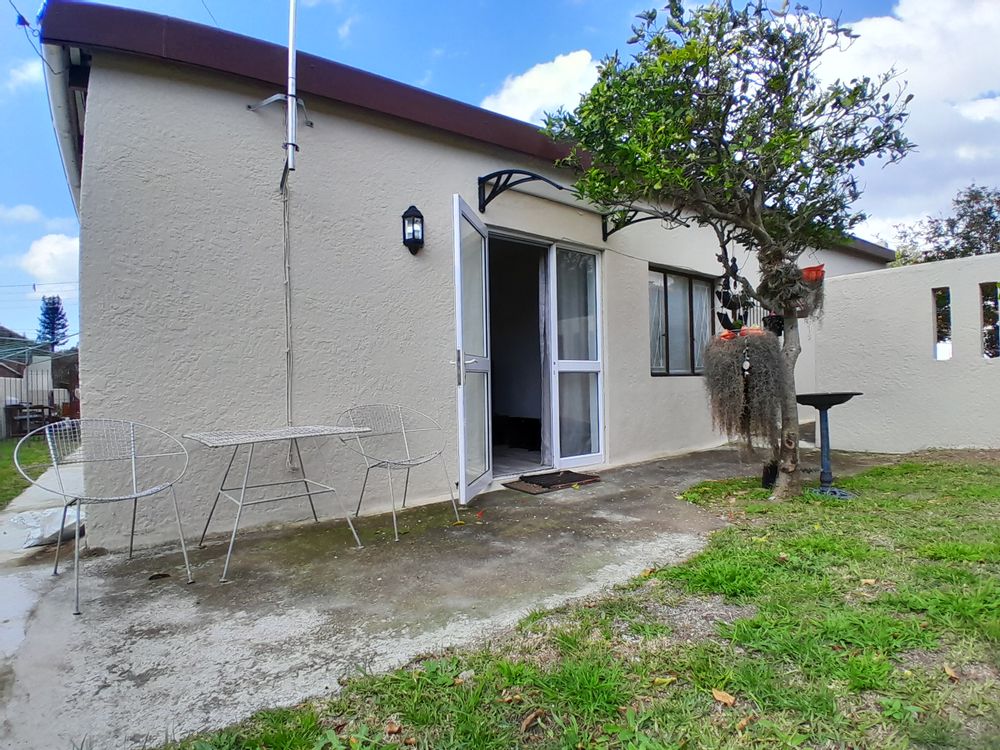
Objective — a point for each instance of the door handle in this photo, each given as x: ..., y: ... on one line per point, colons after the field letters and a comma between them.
x: 471, y: 361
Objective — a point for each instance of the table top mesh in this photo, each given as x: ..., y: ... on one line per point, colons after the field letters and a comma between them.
x: 223, y: 438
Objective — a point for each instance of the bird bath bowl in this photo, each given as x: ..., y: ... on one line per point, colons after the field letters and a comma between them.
x: 823, y: 402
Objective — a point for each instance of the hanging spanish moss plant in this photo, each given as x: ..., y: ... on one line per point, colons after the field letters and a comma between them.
x: 744, y: 376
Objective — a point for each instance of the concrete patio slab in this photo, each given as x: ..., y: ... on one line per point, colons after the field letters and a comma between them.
x: 153, y: 657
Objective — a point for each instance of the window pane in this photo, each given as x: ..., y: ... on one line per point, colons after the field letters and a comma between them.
x: 679, y: 323
x: 578, y: 414
x: 702, y: 299
x: 657, y: 331
x: 576, y: 304
x: 477, y: 455
x: 473, y: 290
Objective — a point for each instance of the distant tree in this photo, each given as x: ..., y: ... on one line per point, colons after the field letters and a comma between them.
x: 52, y: 323
x: 973, y: 228
x: 720, y: 119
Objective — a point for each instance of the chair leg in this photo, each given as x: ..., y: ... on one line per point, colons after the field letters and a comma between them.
x: 368, y: 470
x: 131, y: 536
x: 76, y: 562
x: 62, y: 526
x: 392, y: 497
x: 406, y: 485
x: 451, y: 487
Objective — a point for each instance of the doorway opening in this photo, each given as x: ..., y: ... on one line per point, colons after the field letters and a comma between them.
x: 520, y: 388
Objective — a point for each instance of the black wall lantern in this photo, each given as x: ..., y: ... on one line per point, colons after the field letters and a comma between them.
x: 413, y: 229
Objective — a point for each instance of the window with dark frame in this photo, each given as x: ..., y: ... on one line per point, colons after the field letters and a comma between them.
x: 681, y: 321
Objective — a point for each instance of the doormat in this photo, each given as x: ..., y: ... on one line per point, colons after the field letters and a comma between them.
x: 539, y: 484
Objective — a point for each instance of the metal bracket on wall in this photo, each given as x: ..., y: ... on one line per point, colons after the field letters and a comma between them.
x: 505, y: 179
x: 281, y: 98
x: 611, y: 223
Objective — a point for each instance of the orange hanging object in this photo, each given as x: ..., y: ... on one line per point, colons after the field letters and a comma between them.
x: 727, y: 335
x: 813, y: 274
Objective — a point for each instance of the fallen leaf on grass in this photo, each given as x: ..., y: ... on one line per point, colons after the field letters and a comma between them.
x: 744, y: 723
x: 952, y: 674
x: 663, y: 681
x: 723, y: 697
x: 533, y: 717
x: 458, y: 523
x: 647, y: 572
x: 783, y: 557
x: 458, y: 681
x: 393, y: 728
x: 868, y: 581
x: 410, y: 741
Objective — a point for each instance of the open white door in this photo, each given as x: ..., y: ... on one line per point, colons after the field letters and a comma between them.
x: 472, y: 352
x: 577, y: 387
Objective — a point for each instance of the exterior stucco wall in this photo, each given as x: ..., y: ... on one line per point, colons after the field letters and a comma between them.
x: 838, y: 263
x: 181, y: 278
x: 879, y: 339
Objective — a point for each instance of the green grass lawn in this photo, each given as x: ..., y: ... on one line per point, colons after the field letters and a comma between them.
x: 816, y: 623
x: 11, y: 482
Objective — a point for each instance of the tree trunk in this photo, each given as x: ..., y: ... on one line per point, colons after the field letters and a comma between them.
x: 789, y: 481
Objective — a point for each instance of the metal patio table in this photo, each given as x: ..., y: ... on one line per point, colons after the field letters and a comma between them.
x: 249, y: 439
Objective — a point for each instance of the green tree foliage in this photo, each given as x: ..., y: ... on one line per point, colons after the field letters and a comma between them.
x: 52, y: 322
x: 973, y: 228
x: 720, y: 119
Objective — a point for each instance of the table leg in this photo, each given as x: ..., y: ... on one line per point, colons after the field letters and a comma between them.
x: 302, y: 468
x: 201, y: 542
x: 826, y: 472
x: 239, y: 512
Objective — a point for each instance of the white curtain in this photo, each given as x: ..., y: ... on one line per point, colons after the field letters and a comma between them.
x: 702, y: 304
x: 657, y: 330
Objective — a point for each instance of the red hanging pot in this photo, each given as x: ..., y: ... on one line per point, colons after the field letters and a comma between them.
x: 813, y: 274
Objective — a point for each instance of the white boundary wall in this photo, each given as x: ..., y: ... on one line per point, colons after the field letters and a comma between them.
x: 877, y: 336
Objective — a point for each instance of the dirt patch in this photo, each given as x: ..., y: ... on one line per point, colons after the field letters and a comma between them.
x: 698, y: 618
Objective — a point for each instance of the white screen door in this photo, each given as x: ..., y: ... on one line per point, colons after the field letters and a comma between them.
x: 576, y: 382
x: 473, y: 352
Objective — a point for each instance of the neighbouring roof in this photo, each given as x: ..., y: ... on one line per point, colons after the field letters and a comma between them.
x: 81, y: 28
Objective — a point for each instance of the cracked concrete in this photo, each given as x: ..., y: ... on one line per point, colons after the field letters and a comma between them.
x: 151, y: 658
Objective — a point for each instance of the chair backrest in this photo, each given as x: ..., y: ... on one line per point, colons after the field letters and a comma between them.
x: 127, y: 459
x: 392, y: 434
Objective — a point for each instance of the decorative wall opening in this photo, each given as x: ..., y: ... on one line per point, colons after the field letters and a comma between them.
x: 942, y: 322
x: 989, y: 295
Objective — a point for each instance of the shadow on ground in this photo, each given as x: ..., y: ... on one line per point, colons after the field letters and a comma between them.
x: 153, y: 657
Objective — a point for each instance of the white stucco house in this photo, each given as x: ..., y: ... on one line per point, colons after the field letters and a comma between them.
x: 519, y: 306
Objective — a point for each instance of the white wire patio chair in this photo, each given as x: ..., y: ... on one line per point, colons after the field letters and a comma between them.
x: 394, y: 437
x: 128, y: 461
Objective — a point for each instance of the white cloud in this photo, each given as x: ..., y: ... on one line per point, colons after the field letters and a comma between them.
x: 23, y: 75
x: 947, y: 52
x: 344, y: 30
x: 19, y: 214
x: 987, y: 108
x: 52, y: 258
x: 545, y: 87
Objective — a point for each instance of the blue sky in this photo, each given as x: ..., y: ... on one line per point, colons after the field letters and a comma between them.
x: 521, y: 58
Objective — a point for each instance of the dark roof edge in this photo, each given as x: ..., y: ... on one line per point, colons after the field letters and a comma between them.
x: 93, y: 26
x: 871, y: 249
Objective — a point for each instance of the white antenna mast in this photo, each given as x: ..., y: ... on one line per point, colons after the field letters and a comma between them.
x: 292, y: 100
x: 292, y: 103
